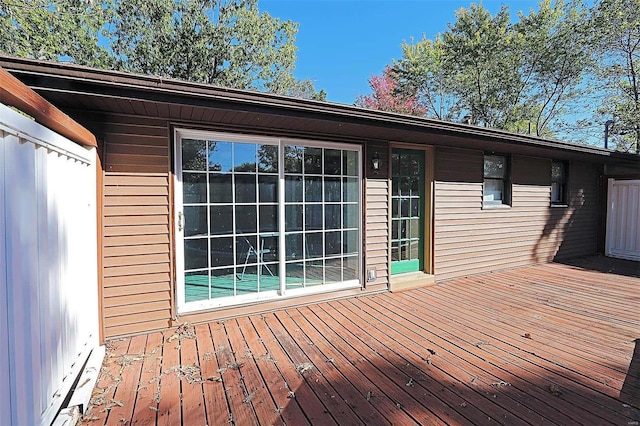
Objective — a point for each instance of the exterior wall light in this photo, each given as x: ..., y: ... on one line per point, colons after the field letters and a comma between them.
x: 375, y: 162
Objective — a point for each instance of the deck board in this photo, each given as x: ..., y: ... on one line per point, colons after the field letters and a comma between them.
x: 146, y: 405
x: 257, y: 394
x: 241, y: 411
x: 551, y: 344
x: 169, y: 410
x: 298, y: 391
x: 216, y: 401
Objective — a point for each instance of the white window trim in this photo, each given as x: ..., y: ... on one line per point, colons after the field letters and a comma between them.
x: 283, y: 293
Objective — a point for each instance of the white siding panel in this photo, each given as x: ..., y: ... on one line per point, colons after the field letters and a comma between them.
x: 5, y: 370
x: 21, y: 215
x: 623, y: 219
x: 48, y: 258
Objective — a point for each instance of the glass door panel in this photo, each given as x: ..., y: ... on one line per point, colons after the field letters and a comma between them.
x: 257, y: 218
x: 322, y: 216
x: 407, y: 210
x: 230, y: 214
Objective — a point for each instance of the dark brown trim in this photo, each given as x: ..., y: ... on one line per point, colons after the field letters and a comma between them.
x: 173, y: 278
x: 16, y: 94
x: 100, y: 233
x: 80, y: 80
x: 603, y: 192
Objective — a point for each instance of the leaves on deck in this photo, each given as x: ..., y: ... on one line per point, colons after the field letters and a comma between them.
x: 302, y: 368
x: 555, y: 390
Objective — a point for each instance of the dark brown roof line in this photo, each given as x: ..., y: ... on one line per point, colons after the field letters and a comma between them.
x: 169, y: 86
x: 16, y: 94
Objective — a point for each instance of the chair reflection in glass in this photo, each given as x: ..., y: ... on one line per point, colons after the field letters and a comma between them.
x: 259, y: 254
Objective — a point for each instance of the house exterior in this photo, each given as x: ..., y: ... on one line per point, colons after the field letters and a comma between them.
x: 217, y: 202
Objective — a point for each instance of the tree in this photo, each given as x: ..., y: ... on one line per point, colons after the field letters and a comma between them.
x: 618, y: 23
x: 385, y: 97
x: 482, y: 57
x: 554, y: 42
x: 224, y: 42
x: 54, y: 30
x: 520, y: 76
x: 422, y: 71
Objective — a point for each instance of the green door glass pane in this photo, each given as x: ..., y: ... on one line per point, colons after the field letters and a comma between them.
x: 407, y: 211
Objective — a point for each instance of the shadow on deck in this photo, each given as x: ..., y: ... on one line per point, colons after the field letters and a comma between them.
x: 627, y: 268
x: 547, y: 344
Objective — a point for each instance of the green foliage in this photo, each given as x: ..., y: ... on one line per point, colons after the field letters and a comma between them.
x: 54, y: 30
x: 618, y: 49
x: 482, y: 56
x: 223, y: 42
x: 520, y: 76
x: 422, y: 72
x: 554, y: 42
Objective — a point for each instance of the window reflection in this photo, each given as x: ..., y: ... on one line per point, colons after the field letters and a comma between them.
x: 220, y: 156
x: 312, y: 160
x: 244, y: 157
x: 232, y: 208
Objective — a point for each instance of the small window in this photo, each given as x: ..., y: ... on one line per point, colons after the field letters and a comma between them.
x: 558, y: 183
x: 496, y: 180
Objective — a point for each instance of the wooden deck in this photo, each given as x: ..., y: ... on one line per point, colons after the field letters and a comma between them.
x: 548, y: 344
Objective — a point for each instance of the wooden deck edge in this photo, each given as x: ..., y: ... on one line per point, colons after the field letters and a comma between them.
x: 268, y: 307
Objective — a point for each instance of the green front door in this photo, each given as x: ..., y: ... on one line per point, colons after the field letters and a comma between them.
x: 407, y: 211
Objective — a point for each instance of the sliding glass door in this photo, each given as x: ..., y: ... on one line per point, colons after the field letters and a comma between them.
x: 261, y: 218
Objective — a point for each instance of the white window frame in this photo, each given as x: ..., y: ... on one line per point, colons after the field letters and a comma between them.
x: 283, y: 292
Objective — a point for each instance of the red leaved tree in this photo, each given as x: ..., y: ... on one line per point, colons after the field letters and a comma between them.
x: 387, y: 96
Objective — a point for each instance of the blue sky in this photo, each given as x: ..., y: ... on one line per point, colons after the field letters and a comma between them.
x: 342, y: 42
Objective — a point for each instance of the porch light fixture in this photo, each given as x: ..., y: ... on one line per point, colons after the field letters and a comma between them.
x: 375, y: 162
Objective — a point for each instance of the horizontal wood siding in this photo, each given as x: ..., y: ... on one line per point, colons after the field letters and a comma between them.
x: 376, y: 211
x: 137, y: 270
x: 470, y: 239
x: 377, y: 230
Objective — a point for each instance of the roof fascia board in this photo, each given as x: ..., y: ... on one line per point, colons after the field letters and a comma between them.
x: 16, y: 94
x: 172, y: 91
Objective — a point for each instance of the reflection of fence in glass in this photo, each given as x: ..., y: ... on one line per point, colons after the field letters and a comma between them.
x: 230, y: 194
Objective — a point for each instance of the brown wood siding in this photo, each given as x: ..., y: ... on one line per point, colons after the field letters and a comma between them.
x: 377, y: 230
x: 136, y: 245
x: 137, y: 264
x: 470, y: 239
x: 376, y: 215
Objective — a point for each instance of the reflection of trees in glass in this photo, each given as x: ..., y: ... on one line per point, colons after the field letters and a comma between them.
x: 557, y: 172
x: 293, y: 159
x: 312, y: 160
x: 268, y: 159
x: 214, y: 166
x: 494, y: 167
x: 194, y: 154
x: 245, y: 167
x: 267, y: 156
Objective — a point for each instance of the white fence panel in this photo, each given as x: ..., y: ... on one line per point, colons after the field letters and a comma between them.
x: 623, y: 219
x: 48, y: 275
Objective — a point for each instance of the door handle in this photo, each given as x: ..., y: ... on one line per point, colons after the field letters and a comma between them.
x: 180, y: 221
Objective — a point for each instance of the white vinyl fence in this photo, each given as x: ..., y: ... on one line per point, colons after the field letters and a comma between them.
x: 623, y: 219
x: 48, y: 267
